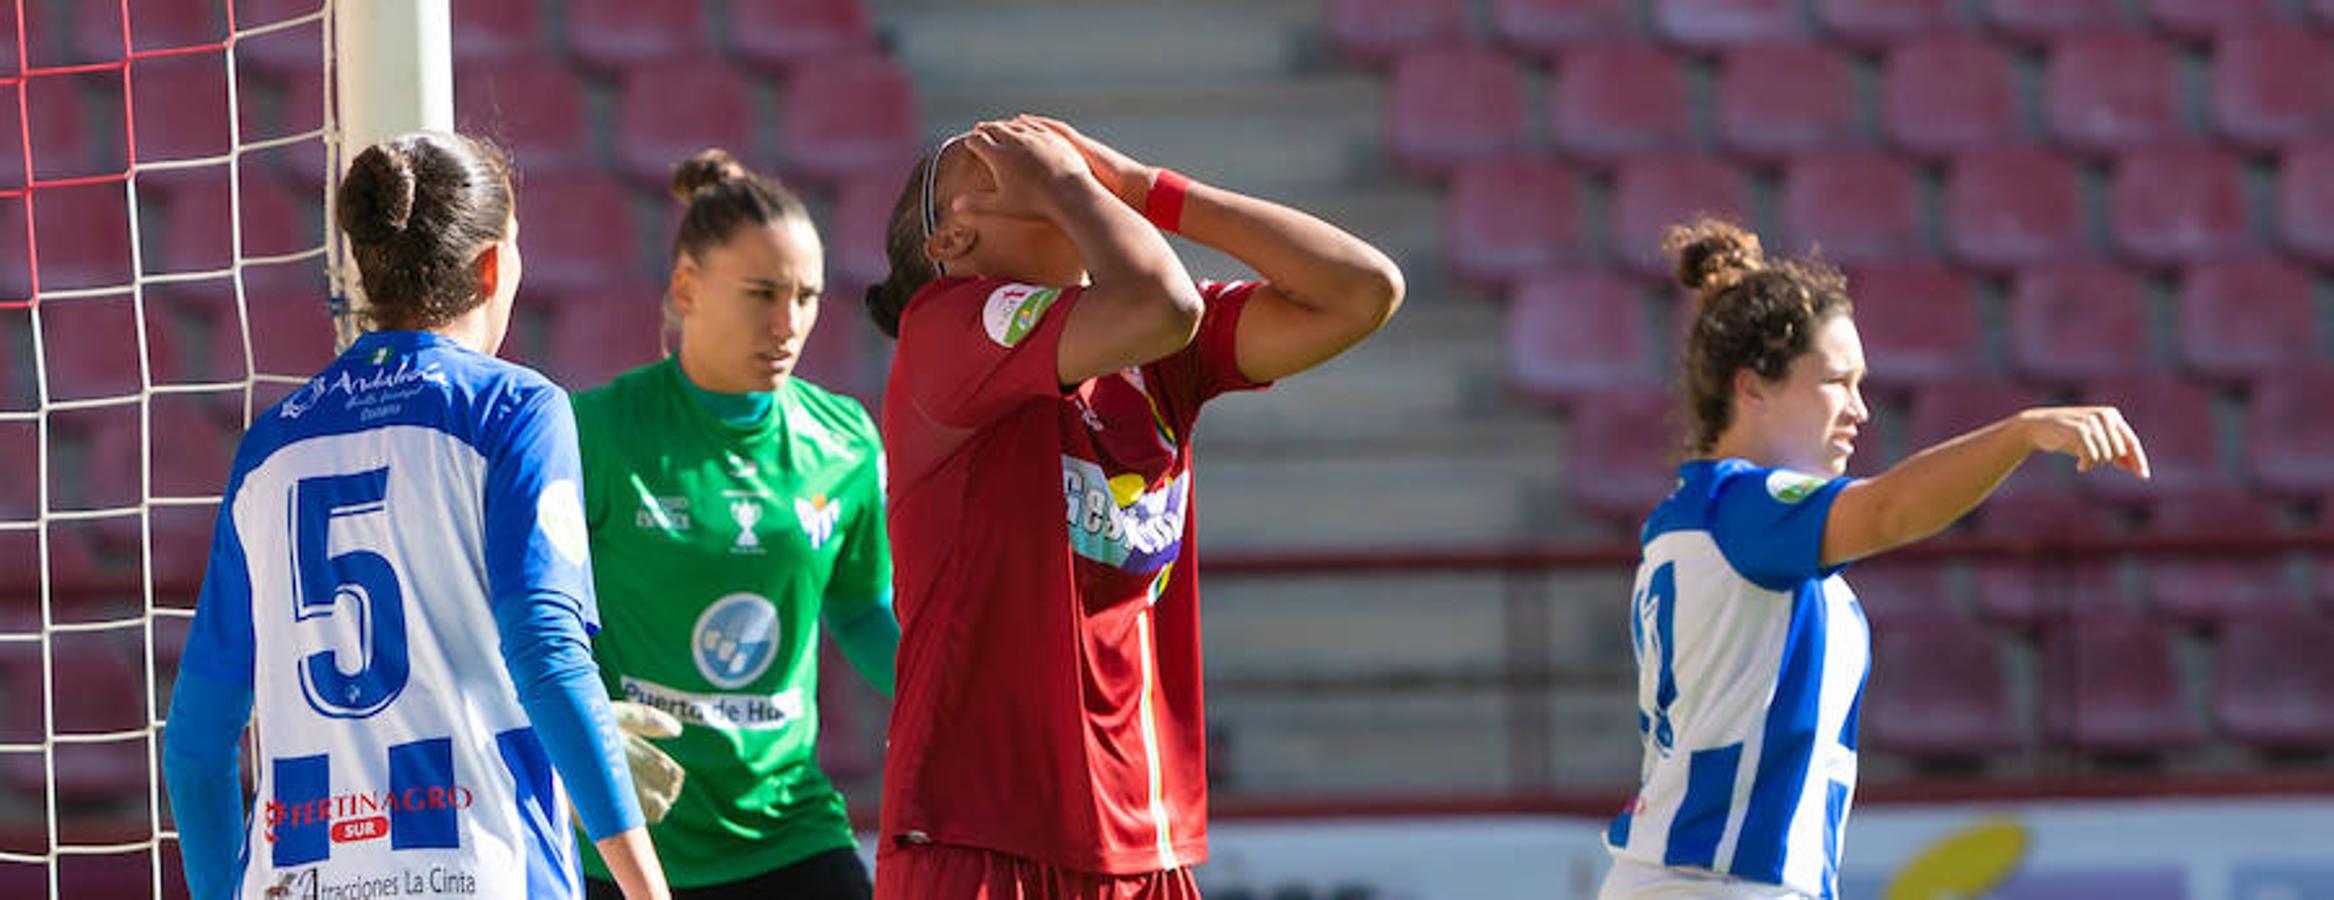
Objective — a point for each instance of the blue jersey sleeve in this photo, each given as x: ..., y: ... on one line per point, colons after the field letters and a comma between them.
x: 539, y: 579
x: 1769, y: 523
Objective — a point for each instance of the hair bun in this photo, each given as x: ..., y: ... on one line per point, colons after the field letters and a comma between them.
x: 1712, y: 254
x: 377, y: 194
x: 706, y: 168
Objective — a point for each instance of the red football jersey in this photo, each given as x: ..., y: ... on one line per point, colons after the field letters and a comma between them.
x: 1049, y: 693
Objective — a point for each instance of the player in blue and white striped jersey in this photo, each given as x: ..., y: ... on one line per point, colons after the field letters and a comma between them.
x: 1751, y: 650
x: 399, y: 586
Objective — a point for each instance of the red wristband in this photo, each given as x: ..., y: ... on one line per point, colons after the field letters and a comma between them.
x: 1164, y: 204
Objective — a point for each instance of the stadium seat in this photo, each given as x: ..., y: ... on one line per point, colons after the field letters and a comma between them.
x: 179, y: 105
x: 156, y: 25
x: 285, y: 51
x: 1658, y: 192
x: 1374, y: 32
x: 1505, y: 219
x: 849, y: 115
x: 2273, y: 86
x: 2273, y: 682
x: 2205, y: 591
x: 2174, y: 418
x: 2049, y: 513
x: 1778, y: 99
x: 597, y: 334
x: 1852, y: 207
x: 290, y: 328
x: 1939, y: 691
x: 2209, y: 509
x: 1618, y: 467
x: 1452, y: 105
x: 61, y: 144
x: 486, y: 32
x: 528, y: 104
x: 2290, y: 431
x: 95, y: 689
x: 1918, y: 320
x: 302, y: 110
x: 1548, y: 27
x: 615, y: 34
x: 2040, y: 20
x: 2244, y: 317
x: 2111, y: 89
x: 2111, y: 686
x: 653, y: 132
x: 581, y: 233
x: 2013, y: 207
x: 1902, y: 593
x: 2077, y: 318
x: 855, y: 232
x: 1653, y: 193
x: 1927, y: 111
x: 2178, y: 205
x: 2305, y: 201
x: 192, y: 442
x: 1571, y: 334
x: 2200, y: 18
x: 1875, y: 22
x: 83, y: 235
x: 1616, y: 100
x: 90, y: 348
x: 1711, y: 23
x: 784, y: 34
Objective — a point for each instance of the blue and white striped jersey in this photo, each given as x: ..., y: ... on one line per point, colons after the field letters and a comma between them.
x: 379, y: 524
x: 1751, y: 659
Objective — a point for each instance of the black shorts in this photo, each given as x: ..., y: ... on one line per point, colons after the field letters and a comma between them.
x: 834, y: 875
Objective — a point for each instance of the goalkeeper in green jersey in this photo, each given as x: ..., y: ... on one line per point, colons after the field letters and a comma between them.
x: 734, y: 509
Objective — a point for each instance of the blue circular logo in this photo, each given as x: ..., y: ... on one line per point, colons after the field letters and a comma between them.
x: 736, y: 639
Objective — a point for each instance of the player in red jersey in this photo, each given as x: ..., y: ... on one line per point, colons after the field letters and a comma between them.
x: 1048, y: 738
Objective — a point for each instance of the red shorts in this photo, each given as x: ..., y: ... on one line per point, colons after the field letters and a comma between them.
x: 943, y: 872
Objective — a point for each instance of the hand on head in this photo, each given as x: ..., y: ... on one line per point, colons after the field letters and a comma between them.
x: 1126, y: 178
x: 1028, y: 161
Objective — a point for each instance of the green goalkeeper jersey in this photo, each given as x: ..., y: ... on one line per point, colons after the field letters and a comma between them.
x: 716, y: 548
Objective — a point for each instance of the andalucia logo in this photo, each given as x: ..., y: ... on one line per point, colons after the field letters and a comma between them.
x: 1013, y: 311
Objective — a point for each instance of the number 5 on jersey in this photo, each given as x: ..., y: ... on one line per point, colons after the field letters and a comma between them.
x: 364, y: 580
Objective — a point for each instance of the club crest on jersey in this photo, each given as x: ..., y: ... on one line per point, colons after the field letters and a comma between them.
x: 818, y: 516
x: 735, y: 639
x: 1013, y: 311
x: 1791, y: 487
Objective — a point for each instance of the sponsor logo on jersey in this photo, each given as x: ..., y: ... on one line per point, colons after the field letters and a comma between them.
x: 559, y: 514
x: 727, y: 712
x: 1791, y: 487
x: 1013, y: 311
x: 747, y: 512
x: 664, y: 514
x: 818, y: 516
x: 1118, y: 522
x: 735, y: 640
x: 357, y: 816
x: 385, y: 386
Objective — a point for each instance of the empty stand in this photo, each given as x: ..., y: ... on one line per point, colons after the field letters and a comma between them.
x: 1614, y: 100
x: 2178, y: 204
x: 1855, y: 207
x: 2273, y: 682
x: 497, y: 30
x: 2273, y: 86
x: 656, y: 128
x: 2198, y: 18
x: 530, y: 105
x: 1452, y: 105
x: 1711, y: 23
x: 1948, y: 92
x: 1884, y: 21
x: 2244, y: 317
x: 2077, y: 318
x: 2110, y: 685
x: 613, y: 34
x: 1508, y: 218
x: 787, y: 34
x: 846, y: 116
x: 1546, y: 27
x: 2013, y: 207
x: 1919, y: 322
x: 1777, y: 99
x: 2174, y: 417
x: 2305, y: 201
x: 2040, y: 20
x: 1651, y: 194
x: 1938, y: 690
x: 2290, y: 431
x: 1374, y: 32
x: 1571, y: 334
x: 1619, y: 442
x: 2109, y: 89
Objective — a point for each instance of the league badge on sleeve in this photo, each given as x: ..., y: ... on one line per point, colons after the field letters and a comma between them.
x: 1787, y: 486
x: 1013, y: 312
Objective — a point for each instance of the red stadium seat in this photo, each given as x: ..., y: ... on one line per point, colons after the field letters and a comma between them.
x: 849, y: 115
x: 94, y: 690
x: 1620, y: 448
x: 61, y: 144
x: 1778, y: 99
x: 2207, y: 17
x: 154, y: 25
x: 1654, y: 193
x: 2244, y: 317
x: 1616, y: 100
x: 83, y: 237
x: 90, y: 349
x: 614, y: 34
x: 2173, y: 417
x: 597, y: 334
x: 2110, y: 685
x: 179, y: 106
x: 2077, y: 319
x: 1453, y: 105
x: 1883, y: 21
x: 1710, y: 23
x: 528, y: 104
x: 192, y: 443
x: 2050, y: 514
x: 2111, y: 89
x: 1576, y: 333
x: 784, y: 34
x: 579, y: 232
x: 1919, y: 321
x: 2290, y: 431
x: 498, y: 29
x: 285, y: 51
x: 2273, y: 682
x: 856, y: 233
x: 656, y: 129
x: 2013, y: 207
x: 2038, y: 20
x: 2032, y: 595
x: 1854, y: 207
x: 2178, y: 205
x: 1938, y: 690
x: 2207, y: 591
x: 288, y: 323
x: 1506, y: 219
x: 1898, y: 592
x: 2305, y: 201
x: 197, y: 232
x: 302, y: 110
x: 1546, y: 27
x: 2273, y: 86
x: 1374, y: 32
x: 2216, y: 509
x: 1926, y: 111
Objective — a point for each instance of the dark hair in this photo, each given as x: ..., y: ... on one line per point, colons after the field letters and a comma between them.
x: 417, y: 208
x: 721, y: 196
x: 1752, y: 315
x: 903, y: 247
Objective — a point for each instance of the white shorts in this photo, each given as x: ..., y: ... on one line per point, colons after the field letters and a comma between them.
x: 1633, y: 880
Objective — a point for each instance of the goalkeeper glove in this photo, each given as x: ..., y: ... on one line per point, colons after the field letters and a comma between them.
x: 656, y: 778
